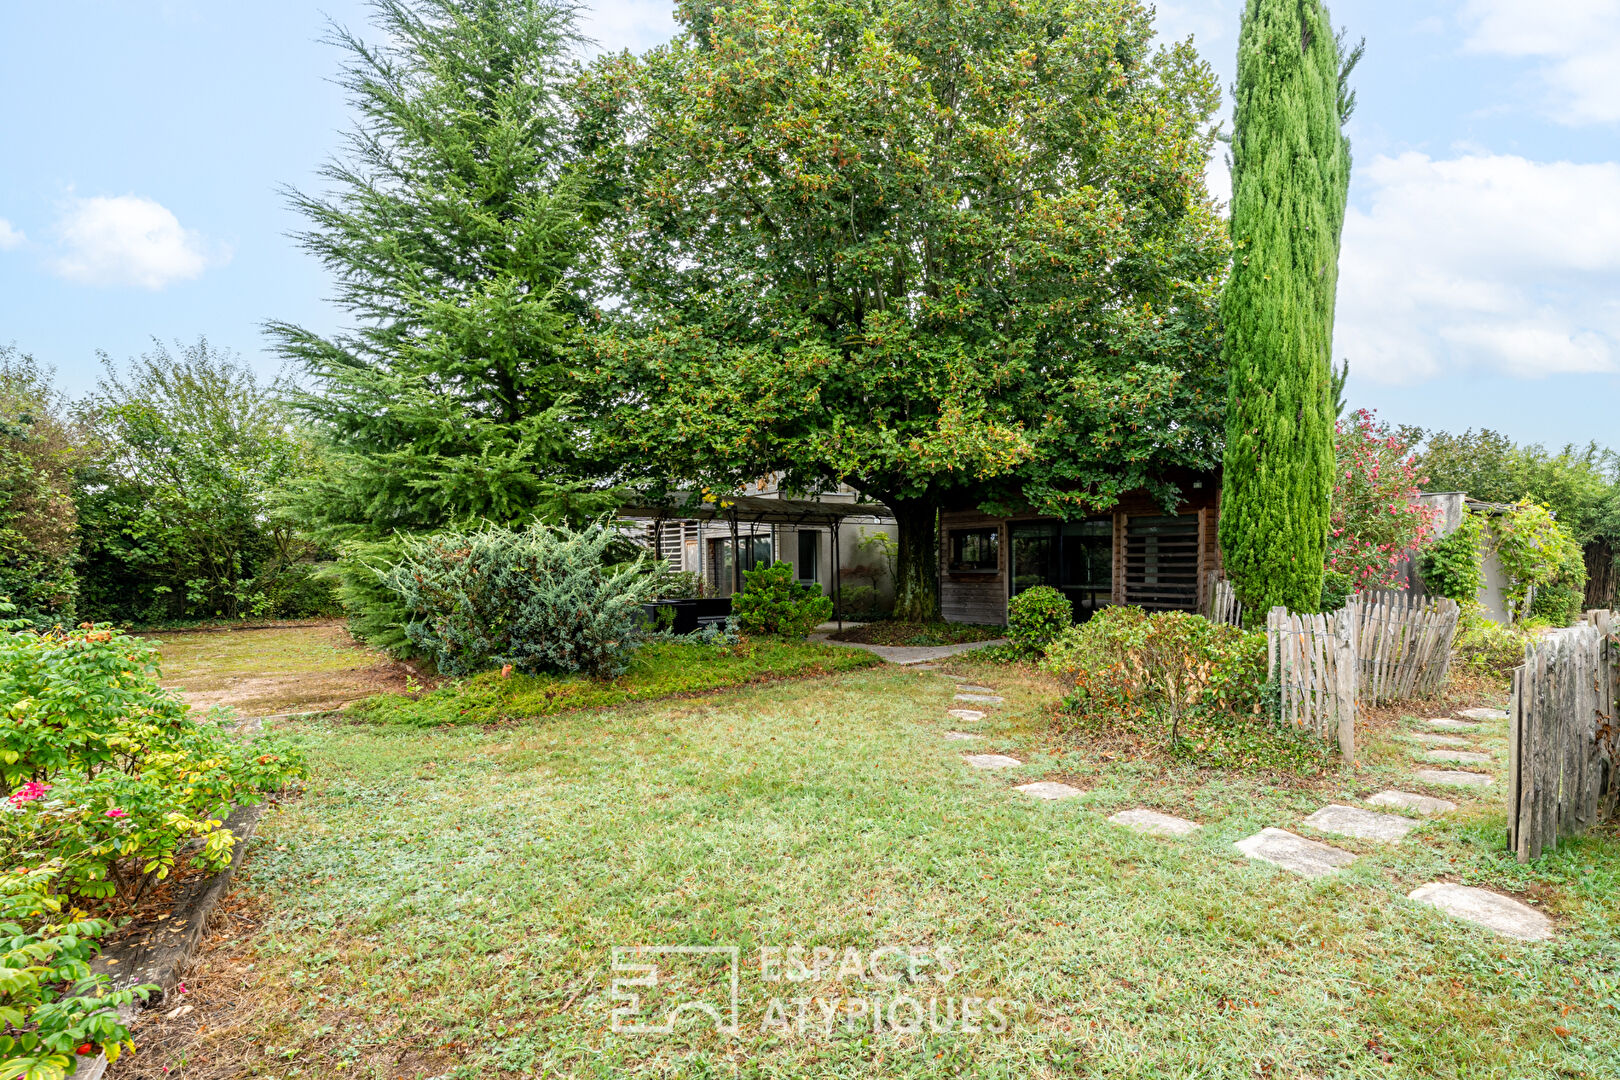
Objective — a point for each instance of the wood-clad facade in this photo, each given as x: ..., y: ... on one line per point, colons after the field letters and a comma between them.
x: 1134, y: 554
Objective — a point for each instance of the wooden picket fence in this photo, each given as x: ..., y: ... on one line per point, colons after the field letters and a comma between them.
x: 1379, y: 648
x: 1403, y: 644
x: 1222, y: 605
x: 1564, y: 766
x: 1312, y: 660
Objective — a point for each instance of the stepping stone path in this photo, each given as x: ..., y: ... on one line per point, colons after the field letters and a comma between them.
x: 1307, y: 858
x: 1361, y: 824
x: 1049, y: 789
x: 1495, y: 912
x: 1440, y: 740
x: 925, y: 667
x: 970, y: 715
x: 1450, y: 776
x: 981, y: 699
x: 1483, y: 714
x: 969, y: 688
x: 991, y: 761
x: 1445, y: 723
x: 958, y: 736
x: 1426, y: 805
x: 1458, y: 757
x: 1155, y: 823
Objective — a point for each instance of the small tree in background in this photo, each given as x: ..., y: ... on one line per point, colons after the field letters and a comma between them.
x: 1376, y: 522
x: 1290, y: 177
x: 39, y: 450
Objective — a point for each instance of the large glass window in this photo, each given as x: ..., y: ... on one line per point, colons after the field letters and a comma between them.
x: 1034, y: 555
x: 1088, y: 564
x: 809, y: 557
x: 974, y: 551
x: 754, y: 550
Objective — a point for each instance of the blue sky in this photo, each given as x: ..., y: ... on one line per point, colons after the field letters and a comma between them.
x: 145, y: 144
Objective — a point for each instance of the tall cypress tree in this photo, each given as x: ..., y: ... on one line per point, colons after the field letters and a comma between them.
x: 1290, y: 176
x: 454, y: 227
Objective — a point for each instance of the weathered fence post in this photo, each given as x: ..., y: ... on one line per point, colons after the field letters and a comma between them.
x: 1344, y: 672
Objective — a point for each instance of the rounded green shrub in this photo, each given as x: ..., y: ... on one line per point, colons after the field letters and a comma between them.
x: 1035, y: 617
x: 773, y: 603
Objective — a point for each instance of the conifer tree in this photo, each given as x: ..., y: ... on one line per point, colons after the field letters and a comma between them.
x: 1290, y: 176
x: 453, y: 226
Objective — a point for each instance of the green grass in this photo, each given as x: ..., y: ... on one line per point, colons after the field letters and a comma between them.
x: 659, y: 669
x: 445, y: 903
x: 894, y: 632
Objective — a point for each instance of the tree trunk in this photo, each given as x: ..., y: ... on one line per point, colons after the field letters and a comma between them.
x: 1602, y: 581
x: 916, y: 588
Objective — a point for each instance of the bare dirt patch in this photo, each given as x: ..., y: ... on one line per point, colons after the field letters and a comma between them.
x: 266, y: 672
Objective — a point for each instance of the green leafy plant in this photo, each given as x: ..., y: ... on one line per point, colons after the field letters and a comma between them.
x: 112, y: 774
x: 1489, y: 648
x: 540, y: 599
x: 53, y: 1006
x: 1452, y: 566
x: 1538, y: 555
x: 1036, y: 616
x: 773, y: 603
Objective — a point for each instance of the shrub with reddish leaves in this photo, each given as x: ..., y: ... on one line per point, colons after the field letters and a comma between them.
x: 1376, y: 520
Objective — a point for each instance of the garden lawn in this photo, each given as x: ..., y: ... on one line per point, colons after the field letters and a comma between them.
x: 444, y: 903
x: 659, y: 669
x: 893, y: 632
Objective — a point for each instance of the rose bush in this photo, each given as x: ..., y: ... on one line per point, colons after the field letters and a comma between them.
x: 110, y: 773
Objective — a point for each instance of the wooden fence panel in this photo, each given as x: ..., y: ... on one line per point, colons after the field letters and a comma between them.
x: 1221, y: 602
x: 1564, y: 759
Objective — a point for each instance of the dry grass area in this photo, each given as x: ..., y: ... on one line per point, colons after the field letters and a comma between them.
x: 275, y: 670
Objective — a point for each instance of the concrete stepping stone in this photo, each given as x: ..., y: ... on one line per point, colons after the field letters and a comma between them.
x: 1154, y: 823
x: 1445, y: 723
x: 1307, y: 858
x: 971, y: 688
x: 1455, y: 777
x: 1049, y: 789
x: 1429, y: 739
x: 1459, y: 757
x: 981, y: 699
x: 958, y: 736
x: 924, y: 667
x: 1427, y: 805
x: 1483, y: 714
x: 1361, y: 824
x: 1501, y: 914
x: 991, y: 761
x: 970, y: 715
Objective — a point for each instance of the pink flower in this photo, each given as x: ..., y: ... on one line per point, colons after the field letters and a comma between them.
x: 29, y: 792
x: 117, y: 813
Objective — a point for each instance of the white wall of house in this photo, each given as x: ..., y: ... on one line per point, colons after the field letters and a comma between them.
x: 1452, y: 506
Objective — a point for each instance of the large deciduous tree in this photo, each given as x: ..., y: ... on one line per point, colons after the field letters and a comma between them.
x: 941, y: 250
x: 1290, y: 177
x: 455, y: 229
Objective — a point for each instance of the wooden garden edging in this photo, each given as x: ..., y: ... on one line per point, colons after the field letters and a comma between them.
x: 1565, y: 754
x: 1222, y: 605
x: 1379, y: 648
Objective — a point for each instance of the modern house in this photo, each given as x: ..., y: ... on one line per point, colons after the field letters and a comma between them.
x: 1136, y: 553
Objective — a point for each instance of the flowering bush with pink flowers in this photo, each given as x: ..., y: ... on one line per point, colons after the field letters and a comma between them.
x: 109, y: 775
x: 1376, y: 520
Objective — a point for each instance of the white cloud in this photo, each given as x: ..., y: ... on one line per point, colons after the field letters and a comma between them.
x: 129, y: 240
x: 10, y: 235
x: 1482, y: 262
x: 636, y: 25
x: 1577, y: 43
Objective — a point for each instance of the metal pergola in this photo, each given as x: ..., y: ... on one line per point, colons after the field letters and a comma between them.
x: 759, y: 510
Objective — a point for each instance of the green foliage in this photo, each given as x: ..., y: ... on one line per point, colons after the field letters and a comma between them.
x: 1290, y: 176
x: 178, y: 507
x: 457, y: 233
x: 376, y: 613
x: 51, y: 1003
x: 1377, y: 522
x: 539, y: 599
x: 1489, y: 648
x: 1538, y: 555
x: 1193, y: 687
x: 773, y: 603
x: 39, y: 449
x: 115, y: 775
x: 1578, y: 483
x: 659, y: 669
x: 937, y: 249
x: 1035, y: 617
x: 897, y: 632
x: 1452, y: 566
